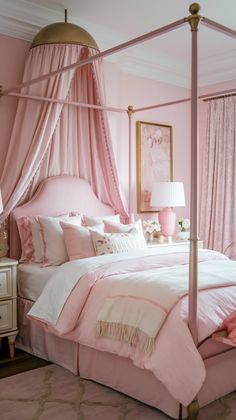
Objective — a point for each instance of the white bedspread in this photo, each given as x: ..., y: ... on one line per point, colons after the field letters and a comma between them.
x: 31, y: 279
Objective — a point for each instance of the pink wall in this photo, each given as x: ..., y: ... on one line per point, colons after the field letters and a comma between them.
x: 123, y: 90
x: 13, y: 53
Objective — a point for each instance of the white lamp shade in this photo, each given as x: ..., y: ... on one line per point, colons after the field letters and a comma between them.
x: 167, y: 194
x: 1, y: 205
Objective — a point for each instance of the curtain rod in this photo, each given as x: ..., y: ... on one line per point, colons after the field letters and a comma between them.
x: 213, y: 98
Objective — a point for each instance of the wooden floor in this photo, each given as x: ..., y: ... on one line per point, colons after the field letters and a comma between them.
x: 21, y: 362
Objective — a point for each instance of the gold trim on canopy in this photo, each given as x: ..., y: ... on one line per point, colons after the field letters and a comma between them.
x: 64, y: 33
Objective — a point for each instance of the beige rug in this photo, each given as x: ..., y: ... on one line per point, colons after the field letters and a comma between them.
x: 53, y: 393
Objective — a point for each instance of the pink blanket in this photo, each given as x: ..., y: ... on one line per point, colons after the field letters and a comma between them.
x: 78, y: 317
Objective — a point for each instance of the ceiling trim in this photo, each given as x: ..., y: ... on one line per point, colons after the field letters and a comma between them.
x: 22, y: 19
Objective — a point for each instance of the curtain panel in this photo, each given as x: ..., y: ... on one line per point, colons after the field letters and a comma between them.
x: 51, y: 139
x: 218, y: 183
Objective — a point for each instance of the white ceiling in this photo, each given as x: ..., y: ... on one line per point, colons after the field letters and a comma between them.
x: 111, y: 22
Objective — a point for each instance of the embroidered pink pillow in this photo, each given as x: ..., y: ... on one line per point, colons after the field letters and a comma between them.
x: 91, y: 221
x: 112, y: 243
x: 24, y: 228
x: 31, y: 239
x: 78, y: 240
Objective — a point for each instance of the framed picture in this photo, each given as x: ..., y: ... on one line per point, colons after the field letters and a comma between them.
x: 154, y: 160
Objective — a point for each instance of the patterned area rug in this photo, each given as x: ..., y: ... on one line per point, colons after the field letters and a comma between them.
x: 53, y: 393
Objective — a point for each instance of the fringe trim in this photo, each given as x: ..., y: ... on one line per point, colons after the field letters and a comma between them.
x: 122, y: 332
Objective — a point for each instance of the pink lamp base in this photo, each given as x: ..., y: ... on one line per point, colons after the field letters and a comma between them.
x: 167, y: 220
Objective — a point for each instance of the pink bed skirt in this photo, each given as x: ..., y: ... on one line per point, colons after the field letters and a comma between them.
x: 38, y: 342
x: 120, y: 374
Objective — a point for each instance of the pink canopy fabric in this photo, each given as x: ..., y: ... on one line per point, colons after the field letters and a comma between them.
x: 53, y: 139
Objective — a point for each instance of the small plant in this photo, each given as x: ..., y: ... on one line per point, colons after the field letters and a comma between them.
x: 184, y: 224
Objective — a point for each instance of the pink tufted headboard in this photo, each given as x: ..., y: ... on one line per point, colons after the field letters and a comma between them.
x: 54, y: 196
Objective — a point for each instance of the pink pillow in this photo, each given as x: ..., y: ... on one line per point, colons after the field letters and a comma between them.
x: 78, y: 240
x: 31, y: 239
x: 24, y: 228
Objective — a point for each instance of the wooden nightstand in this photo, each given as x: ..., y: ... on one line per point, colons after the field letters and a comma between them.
x: 175, y: 242
x: 8, y: 305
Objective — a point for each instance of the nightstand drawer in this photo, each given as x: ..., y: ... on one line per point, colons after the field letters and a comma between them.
x: 6, y: 319
x: 5, y: 282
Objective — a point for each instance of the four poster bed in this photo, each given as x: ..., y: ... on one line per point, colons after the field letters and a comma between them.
x: 205, y: 369
x: 119, y: 366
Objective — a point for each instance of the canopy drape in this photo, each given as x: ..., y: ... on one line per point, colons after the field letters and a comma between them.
x: 53, y: 139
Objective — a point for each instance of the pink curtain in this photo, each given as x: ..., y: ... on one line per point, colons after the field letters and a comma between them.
x: 52, y: 139
x: 218, y: 192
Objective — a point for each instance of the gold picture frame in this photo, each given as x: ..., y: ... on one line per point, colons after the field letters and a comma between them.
x: 154, y: 160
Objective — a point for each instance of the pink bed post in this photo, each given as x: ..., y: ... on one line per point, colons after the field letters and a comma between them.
x: 130, y: 114
x: 193, y: 20
x: 193, y: 260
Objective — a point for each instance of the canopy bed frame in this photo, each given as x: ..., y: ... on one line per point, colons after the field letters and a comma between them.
x: 216, y: 364
x: 58, y: 195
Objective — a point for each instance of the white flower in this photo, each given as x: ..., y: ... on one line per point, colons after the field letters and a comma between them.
x: 151, y: 226
x: 184, y: 224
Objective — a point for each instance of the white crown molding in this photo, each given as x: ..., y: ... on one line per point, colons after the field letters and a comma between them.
x: 22, y: 19
x: 28, y: 13
x: 161, y: 68
x: 217, y: 68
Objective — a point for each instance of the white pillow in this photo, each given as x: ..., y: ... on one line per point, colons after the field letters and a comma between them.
x: 91, y: 221
x: 112, y: 243
x: 37, y: 239
x: 112, y: 227
x: 55, y: 252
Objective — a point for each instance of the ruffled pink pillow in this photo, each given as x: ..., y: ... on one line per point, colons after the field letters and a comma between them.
x: 26, y: 237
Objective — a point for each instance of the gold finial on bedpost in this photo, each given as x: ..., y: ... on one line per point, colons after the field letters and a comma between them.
x: 193, y: 410
x: 130, y: 111
x: 65, y: 15
x: 194, y: 18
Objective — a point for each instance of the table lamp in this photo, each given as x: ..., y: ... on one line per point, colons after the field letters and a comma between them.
x: 167, y: 195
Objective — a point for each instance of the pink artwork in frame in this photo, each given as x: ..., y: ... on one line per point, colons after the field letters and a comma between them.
x: 154, y: 160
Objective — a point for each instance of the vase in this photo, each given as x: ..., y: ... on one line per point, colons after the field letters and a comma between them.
x: 183, y: 236
x: 150, y: 237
